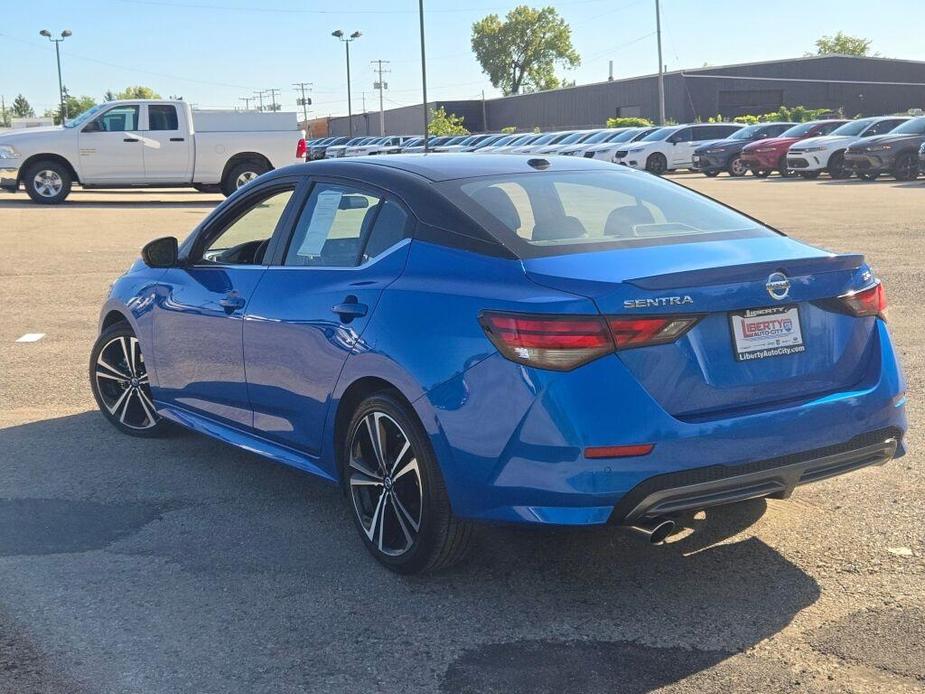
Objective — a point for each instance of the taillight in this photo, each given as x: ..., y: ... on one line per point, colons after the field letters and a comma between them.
x: 639, y: 332
x: 866, y: 302
x: 300, y: 148
x: 562, y: 343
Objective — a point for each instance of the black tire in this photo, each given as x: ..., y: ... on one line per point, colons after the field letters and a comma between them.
x: 236, y: 175
x: 657, y: 164
x: 48, y: 182
x: 906, y: 167
x: 762, y: 173
x: 119, y: 383
x: 711, y: 173
x: 837, y: 168
x: 782, y: 167
x: 736, y: 168
x: 207, y: 187
x: 440, y: 539
x: 869, y: 176
x: 810, y: 175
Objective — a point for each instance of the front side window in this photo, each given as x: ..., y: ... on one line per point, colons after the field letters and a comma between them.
x: 116, y: 119
x: 548, y: 213
x: 162, y: 117
x: 883, y: 127
x: 244, y: 240
x: 332, y: 227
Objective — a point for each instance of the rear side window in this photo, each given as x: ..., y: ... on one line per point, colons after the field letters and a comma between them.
x: 390, y: 227
x: 549, y: 213
x: 162, y: 117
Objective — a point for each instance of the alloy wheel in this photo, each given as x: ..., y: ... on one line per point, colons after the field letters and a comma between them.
x: 47, y: 183
x: 244, y: 178
x: 737, y: 167
x: 122, y: 383
x: 385, y: 484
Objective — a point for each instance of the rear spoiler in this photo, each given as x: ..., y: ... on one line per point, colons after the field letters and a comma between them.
x: 729, y: 274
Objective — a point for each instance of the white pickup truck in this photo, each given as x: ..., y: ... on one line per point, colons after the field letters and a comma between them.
x: 127, y: 144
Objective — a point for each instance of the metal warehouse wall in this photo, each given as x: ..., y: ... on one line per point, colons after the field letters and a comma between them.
x: 859, y: 85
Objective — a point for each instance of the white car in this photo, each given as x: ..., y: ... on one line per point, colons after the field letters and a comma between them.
x: 380, y: 145
x: 605, y: 146
x: 506, y: 144
x: 671, y: 148
x: 812, y: 156
x: 148, y: 142
x: 338, y: 151
x: 565, y: 143
x: 543, y: 140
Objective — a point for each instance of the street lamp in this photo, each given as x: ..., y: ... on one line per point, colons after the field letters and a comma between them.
x: 347, y: 40
x: 57, y: 42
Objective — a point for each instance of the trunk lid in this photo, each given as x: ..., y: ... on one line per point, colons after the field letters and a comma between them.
x: 703, y: 375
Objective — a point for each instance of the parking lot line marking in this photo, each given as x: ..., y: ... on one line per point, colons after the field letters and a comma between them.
x: 31, y: 337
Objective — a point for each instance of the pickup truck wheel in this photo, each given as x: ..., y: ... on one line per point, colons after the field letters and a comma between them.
x: 241, y: 174
x: 47, y: 182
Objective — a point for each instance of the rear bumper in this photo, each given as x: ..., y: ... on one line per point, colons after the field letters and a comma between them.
x: 716, y: 485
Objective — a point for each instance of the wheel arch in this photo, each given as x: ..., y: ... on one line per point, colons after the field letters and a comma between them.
x: 241, y: 157
x: 47, y: 156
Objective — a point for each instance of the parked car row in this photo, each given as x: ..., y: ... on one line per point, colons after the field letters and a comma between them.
x: 868, y: 147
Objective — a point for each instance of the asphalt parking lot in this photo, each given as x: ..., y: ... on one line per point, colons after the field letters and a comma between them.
x: 183, y: 565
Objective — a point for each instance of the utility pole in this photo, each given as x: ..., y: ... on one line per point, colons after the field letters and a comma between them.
x: 303, y: 101
x: 2, y: 111
x: 380, y: 85
x: 424, y: 75
x: 273, y: 93
x: 661, y: 67
x: 259, y: 96
x: 484, y: 114
x: 247, y: 101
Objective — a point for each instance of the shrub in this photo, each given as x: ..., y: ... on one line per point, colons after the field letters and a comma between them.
x: 628, y: 123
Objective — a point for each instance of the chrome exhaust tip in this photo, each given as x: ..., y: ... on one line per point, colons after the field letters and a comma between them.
x: 655, y: 530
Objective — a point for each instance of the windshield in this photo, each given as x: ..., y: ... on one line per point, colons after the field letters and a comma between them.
x: 599, y: 137
x: 660, y: 134
x: 547, y: 213
x: 413, y: 141
x: 746, y: 133
x: 855, y: 127
x: 544, y: 139
x: 490, y: 140
x: 799, y: 130
x: 87, y: 115
x: 574, y: 137
x: 916, y: 126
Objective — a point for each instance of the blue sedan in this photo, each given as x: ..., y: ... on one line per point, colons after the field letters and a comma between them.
x: 455, y: 339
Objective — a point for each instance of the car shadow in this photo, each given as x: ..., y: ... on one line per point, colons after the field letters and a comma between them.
x: 546, y: 610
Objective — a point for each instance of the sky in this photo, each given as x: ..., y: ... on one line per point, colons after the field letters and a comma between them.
x: 213, y: 52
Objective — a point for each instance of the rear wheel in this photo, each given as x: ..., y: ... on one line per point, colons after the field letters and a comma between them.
x: 657, y: 164
x: 241, y: 174
x: 711, y: 173
x: 837, y: 168
x: 120, y: 385
x: 737, y: 167
x: 906, y: 167
x: 395, y: 490
x: 48, y: 182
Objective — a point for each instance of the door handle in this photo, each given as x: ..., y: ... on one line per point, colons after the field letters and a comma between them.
x: 231, y: 302
x: 130, y: 139
x: 350, y: 309
x: 176, y: 139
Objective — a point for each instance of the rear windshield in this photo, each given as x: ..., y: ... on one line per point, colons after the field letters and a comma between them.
x: 555, y: 212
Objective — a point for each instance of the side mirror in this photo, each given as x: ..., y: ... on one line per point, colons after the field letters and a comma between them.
x: 162, y: 252
x: 92, y: 127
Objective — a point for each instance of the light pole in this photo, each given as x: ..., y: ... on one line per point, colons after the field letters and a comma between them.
x: 57, y: 42
x: 347, y: 41
x: 424, y: 75
x: 661, y: 67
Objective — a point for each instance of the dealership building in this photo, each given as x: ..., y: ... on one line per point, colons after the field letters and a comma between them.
x: 855, y: 85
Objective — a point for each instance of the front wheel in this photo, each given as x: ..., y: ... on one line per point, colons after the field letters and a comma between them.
x: 711, y: 173
x: 657, y: 164
x: 737, y: 167
x: 906, y: 167
x: 837, y: 168
x: 120, y: 385
x: 48, y: 182
x: 395, y: 490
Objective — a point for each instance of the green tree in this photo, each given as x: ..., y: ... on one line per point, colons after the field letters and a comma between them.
x: 136, y: 92
x: 521, y: 52
x: 21, y: 108
x: 75, y: 106
x: 443, y: 123
x: 843, y: 44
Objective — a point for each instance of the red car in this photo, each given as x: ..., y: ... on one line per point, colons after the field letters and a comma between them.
x: 765, y: 156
